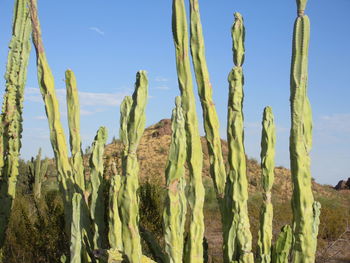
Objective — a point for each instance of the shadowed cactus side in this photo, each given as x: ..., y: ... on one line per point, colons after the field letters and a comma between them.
x: 37, y: 170
x: 282, y: 247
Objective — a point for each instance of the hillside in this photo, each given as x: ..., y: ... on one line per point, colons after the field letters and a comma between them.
x: 152, y: 154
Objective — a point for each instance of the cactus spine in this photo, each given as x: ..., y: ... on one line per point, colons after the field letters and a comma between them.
x: 11, y: 117
x: 132, y: 125
x: 175, y: 204
x: 210, y: 117
x: 73, y: 110
x: 237, y: 236
x: 268, y: 140
x: 194, y: 246
x: 38, y: 169
x: 97, y: 209
x: 281, y: 249
x: 301, y: 142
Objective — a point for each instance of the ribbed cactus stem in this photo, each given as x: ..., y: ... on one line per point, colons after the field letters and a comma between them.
x: 300, y: 144
x: 316, y: 222
x: 237, y: 236
x: 175, y: 205
x: 38, y: 169
x: 194, y: 245
x: 114, y: 223
x: 268, y: 141
x: 76, y: 234
x: 132, y: 125
x: 210, y: 116
x: 73, y: 111
x: 11, y: 117
x: 281, y: 249
x: 57, y: 137
x: 97, y: 206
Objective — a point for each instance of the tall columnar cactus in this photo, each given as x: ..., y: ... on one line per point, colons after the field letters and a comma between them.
x: 114, y: 223
x: 57, y: 137
x: 301, y: 142
x: 210, y: 117
x: 76, y: 232
x: 97, y: 206
x: 38, y: 169
x: 268, y: 140
x: 73, y: 111
x: 132, y: 124
x: 237, y: 236
x: 11, y: 117
x: 281, y: 249
x: 175, y: 205
x: 194, y: 245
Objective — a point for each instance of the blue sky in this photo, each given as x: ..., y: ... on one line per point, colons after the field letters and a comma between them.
x: 106, y: 42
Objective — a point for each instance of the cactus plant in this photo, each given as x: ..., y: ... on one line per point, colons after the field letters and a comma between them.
x: 237, y: 236
x: 132, y: 125
x: 97, y: 209
x: 301, y: 142
x: 38, y: 169
x: 76, y: 234
x: 268, y: 140
x: 175, y: 205
x: 11, y: 117
x: 194, y: 245
x: 281, y: 249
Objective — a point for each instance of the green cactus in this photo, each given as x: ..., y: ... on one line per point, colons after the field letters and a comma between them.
x: 175, y: 205
x: 73, y: 111
x: 281, y: 249
x: 194, y: 245
x: 11, y: 117
x: 300, y: 143
x: 76, y: 233
x: 210, y: 117
x: 114, y: 223
x: 268, y: 140
x: 237, y: 236
x: 97, y: 209
x: 132, y: 124
x: 316, y: 222
x: 38, y: 169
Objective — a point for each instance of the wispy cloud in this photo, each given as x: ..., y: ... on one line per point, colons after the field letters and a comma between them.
x: 162, y: 88
x: 97, y: 30
x: 161, y: 79
x: 42, y: 117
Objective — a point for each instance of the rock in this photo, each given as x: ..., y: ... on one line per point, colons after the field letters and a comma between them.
x: 343, y: 185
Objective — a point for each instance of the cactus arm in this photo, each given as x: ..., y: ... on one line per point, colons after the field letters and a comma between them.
x: 73, y: 111
x: 281, y: 249
x: 268, y: 141
x: 210, y: 117
x: 97, y: 209
x: 132, y: 127
x: 237, y: 236
x: 316, y: 222
x: 115, y: 225
x: 153, y: 246
x: 300, y: 144
x: 194, y: 246
x: 57, y: 137
x: 76, y: 237
x: 175, y: 205
x: 11, y: 117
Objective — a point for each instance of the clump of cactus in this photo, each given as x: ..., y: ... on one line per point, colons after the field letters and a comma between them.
x: 84, y: 199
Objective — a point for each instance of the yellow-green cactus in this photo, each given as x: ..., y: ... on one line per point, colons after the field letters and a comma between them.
x: 210, y: 117
x: 114, y: 223
x: 268, y: 141
x: 132, y: 124
x: 300, y: 144
x: 237, y: 236
x: 194, y: 245
x: 11, y: 117
x: 281, y: 249
x: 76, y: 236
x: 37, y: 170
x: 73, y: 111
x: 175, y: 205
x: 97, y: 209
